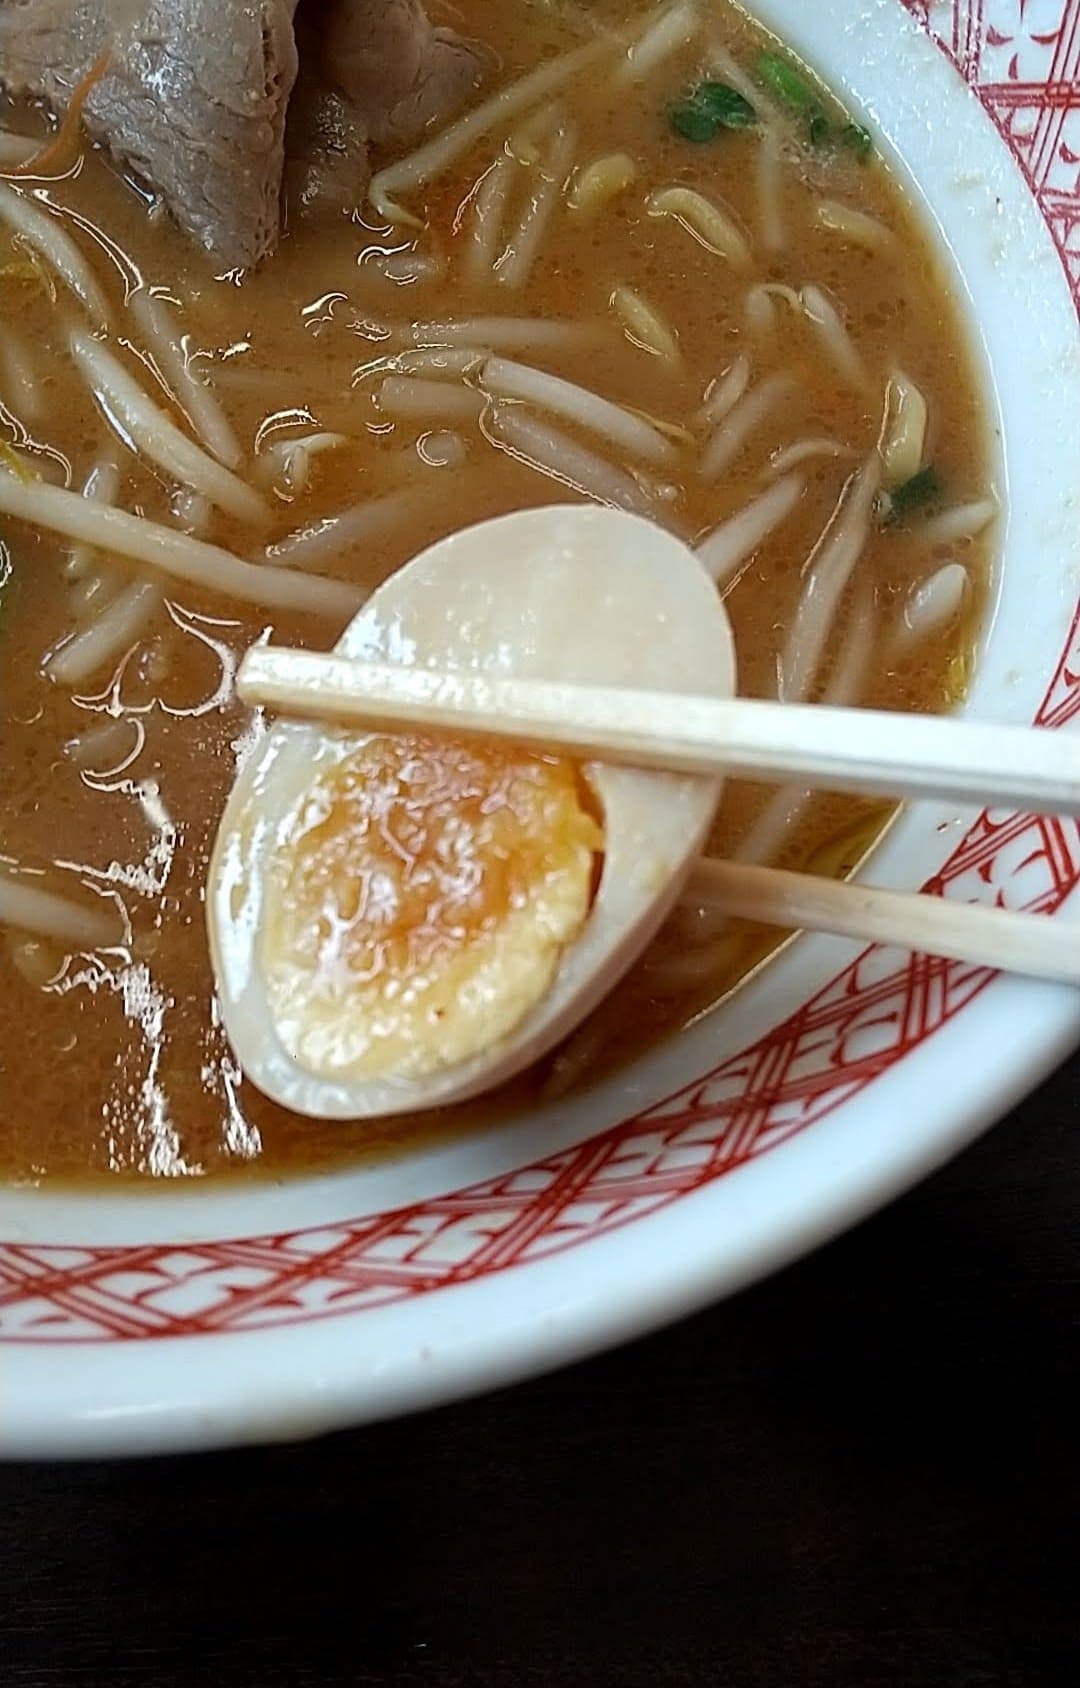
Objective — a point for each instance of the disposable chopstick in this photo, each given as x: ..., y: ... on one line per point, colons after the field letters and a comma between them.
x: 845, y: 750
x: 1027, y: 944
x: 853, y: 750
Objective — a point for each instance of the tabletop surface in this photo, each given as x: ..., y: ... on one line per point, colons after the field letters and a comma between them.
x: 862, y: 1473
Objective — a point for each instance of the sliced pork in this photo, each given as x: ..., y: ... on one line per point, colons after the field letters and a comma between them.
x: 370, y: 70
x: 194, y: 100
x: 326, y: 143
x: 196, y: 94
x: 388, y: 60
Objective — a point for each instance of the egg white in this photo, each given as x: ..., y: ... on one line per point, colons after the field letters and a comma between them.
x: 573, y: 594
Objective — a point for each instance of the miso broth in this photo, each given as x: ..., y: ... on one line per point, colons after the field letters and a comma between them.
x: 789, y: 362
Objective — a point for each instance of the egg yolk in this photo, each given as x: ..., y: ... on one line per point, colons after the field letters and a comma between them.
x: 420, y: 901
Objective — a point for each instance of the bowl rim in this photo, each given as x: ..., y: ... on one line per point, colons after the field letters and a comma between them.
x: 91, y: 1395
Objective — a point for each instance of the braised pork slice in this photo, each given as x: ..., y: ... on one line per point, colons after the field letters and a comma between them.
x: 326, y: 146
x: 370, y: 70
x: 194, y: 100
x: 389, y: 61
x: 196, y: 94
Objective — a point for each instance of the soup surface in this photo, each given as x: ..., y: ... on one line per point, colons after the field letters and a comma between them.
x: 782, y: 332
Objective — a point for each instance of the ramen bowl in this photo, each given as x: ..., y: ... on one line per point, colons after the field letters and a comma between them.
x: 146, y: 1321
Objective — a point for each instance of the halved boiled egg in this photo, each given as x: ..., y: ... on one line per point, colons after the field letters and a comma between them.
x: 401, y: 922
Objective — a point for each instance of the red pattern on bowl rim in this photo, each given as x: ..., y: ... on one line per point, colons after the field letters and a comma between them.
x: 858, y: 1027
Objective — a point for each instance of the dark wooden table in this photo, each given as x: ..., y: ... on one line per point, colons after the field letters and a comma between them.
x: 862, y: 1474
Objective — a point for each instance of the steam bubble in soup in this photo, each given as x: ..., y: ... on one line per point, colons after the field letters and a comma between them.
x: 655, y: 265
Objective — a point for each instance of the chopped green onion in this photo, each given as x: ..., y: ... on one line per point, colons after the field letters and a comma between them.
x: 922, y: 489
x: 959, y: 675
x: 857, y: 139
x: 707, y: 109
x: 11, y: 460
x: 21, y: 269
x: 691, y: 122
x: 782, y: 79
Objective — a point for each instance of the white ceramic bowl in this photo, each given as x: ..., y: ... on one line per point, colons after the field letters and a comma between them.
x: 138, y: 1323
